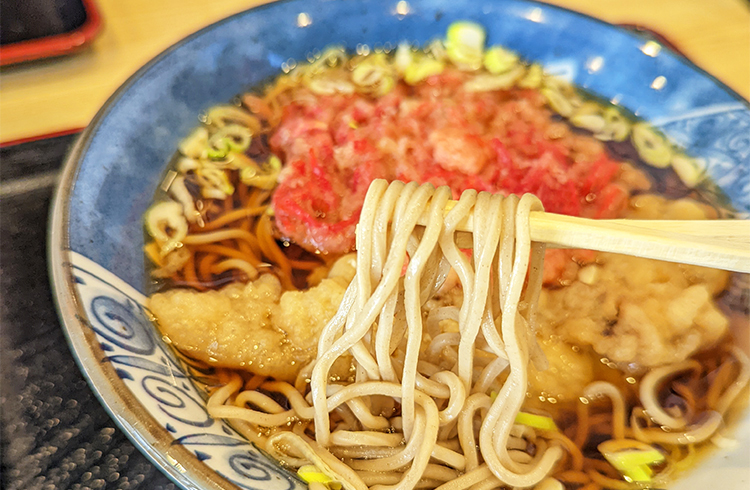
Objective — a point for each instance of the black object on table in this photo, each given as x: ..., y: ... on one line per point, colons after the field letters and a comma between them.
x: 55, y: 434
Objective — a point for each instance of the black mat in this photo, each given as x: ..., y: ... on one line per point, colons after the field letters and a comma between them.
x: 55, y: 434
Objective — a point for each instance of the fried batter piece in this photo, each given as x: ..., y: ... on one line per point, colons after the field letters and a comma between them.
x: 255, y: 326
x: 636, y: 312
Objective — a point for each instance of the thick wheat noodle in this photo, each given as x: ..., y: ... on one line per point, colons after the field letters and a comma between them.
x: 440, y: 342
x: 591, y: 486
x: 739, y: 383
x: 468, y: 479
x: 412, y: 300
x: 572, y: 476
x: 604, y: 388
x: 220, y: 235
x: 360, y: 324
x: 255, y: 417
x: 489, y: 374
x: 457, y: 395
x: 310, y: 450
x: 205, y: 263
x: 487, y: 210
x: 232, y: 216
x: 574, y: 451
x: 365, y: 438
x: 225, y: 251
x: 422, y: 444
x: 692, y: 434
x: 582, y: 425
x: 270, y: 249
x: 475, y: 402
x: 190, y: 274
x: 369, y: 303
x: 365, y: 417
x: 255, y: 381
x: 238, y: 264
x: 649, y: 388
x: 687, y: 394
x: 260, y: 400
x: 723, y: 376
x: 500, y: 417
x: 363, y: 452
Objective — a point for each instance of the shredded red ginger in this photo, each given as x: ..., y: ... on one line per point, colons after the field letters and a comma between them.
x: 503, y: 141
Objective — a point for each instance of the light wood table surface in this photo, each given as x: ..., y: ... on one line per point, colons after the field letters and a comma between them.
x: 62, y: 94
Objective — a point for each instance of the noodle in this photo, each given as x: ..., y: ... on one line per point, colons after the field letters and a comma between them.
x: 378, y: 288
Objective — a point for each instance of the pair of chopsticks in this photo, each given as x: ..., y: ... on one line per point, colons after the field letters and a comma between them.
x: 719, y: 244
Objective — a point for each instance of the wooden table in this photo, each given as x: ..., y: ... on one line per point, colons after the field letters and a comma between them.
x: 65, y: 93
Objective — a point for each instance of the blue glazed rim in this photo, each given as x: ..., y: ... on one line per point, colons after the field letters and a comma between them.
x: 152, y: 439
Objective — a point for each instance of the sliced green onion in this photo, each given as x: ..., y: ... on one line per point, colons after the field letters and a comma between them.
x: 536, y: 421
x: 631, y: 458
x: 214, y: 182
x: 499, y: 60
x: 194, y: 144
x: 166, y: 223
x: 311, y: 474
x: 533, y: 78
x: 374, y: 75
x: 616, y: 126
x: 230, y: 138
x: 589, y: 116
x: 421, y: 69
x: 485, y: 82
x: 464, y: 43
x: 690, y: 170
x: 262, y: 178
x: 225, y: 115
x: 652, y: 146
x: 403, y: 58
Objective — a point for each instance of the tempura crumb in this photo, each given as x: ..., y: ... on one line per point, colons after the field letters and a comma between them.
x: 255, y: 326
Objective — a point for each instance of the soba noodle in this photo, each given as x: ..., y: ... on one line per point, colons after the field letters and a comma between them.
x: 380, y: 324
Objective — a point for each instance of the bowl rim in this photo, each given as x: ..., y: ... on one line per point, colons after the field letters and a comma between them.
x: 151, y: 438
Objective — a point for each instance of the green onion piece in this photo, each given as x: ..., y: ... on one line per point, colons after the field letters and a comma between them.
x: 265, y: 178
x: 464, y: 43
x: 652, y: 146
x: 166, y: 223
x: 536, y: 421
x: 631, y: 458
x: 194, y: 144
x: 424, y: 68
x: 230, y: 138
x: 311, y: 474
x: 533, y: 78
x: 499, y: 60
x: 403, y: 58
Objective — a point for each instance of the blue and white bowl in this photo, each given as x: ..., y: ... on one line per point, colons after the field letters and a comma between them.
x: 96, y: 234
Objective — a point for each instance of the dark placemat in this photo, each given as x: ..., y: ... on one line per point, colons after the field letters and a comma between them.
x: 55, y: 434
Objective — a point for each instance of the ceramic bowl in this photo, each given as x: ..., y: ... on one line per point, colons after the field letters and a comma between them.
x: 96, y: 235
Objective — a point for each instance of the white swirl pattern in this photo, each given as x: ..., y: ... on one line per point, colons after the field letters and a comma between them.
x: 720, y: 135
x: 116, y: 313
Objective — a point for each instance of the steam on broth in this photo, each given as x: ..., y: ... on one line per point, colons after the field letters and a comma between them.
x: 631, y: 365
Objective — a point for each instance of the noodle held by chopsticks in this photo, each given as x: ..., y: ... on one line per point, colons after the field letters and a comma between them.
x: 379, y: 326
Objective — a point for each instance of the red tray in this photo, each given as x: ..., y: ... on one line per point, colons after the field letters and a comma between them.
x: 57, y: 44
